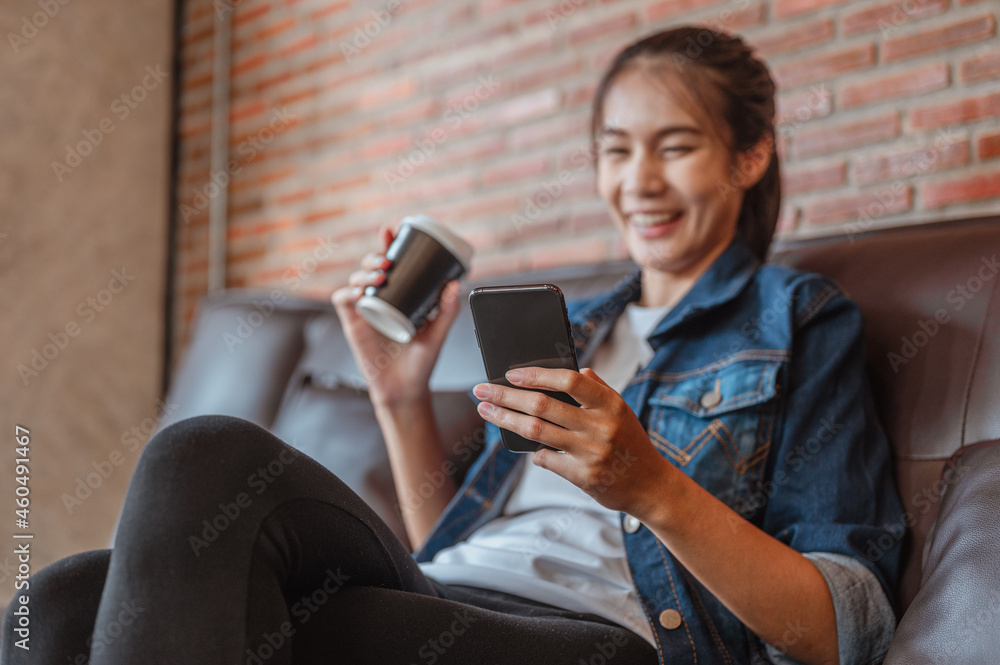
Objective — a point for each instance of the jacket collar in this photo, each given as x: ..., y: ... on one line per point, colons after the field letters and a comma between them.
x: 719, y: 284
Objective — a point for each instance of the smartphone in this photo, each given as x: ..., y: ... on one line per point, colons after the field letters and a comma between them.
x: 523, y: 326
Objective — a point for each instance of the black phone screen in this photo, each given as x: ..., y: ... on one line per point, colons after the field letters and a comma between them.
x: 522, y: 326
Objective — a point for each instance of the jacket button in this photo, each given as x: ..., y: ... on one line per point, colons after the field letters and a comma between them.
x: 631, y: 524
x: 670, y: 619
x: 711, y: 399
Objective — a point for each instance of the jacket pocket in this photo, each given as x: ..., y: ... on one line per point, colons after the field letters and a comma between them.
x: 716, y: 423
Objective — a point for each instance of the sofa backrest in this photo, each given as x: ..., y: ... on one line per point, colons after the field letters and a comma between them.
x: 932, y: 321
x: 928, y: 294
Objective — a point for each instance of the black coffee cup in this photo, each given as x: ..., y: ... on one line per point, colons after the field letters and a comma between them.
x: 425, y: 257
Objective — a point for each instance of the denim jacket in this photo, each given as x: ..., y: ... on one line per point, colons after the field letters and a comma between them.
x: 757, y: 390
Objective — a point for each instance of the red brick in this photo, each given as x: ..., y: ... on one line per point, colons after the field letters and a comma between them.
x: 981, y: 68
x: 584, y: 221
x: 570, y: 252
x: 911, y: 163
x: 796, y: 107
x: 519, y: 170
x: 596, y: 30
x: 303, y: 44
x: 889, y: 16
x: 939, y: 39
x: 555, y: 74
x: 320, y: 215
x: 971, y: 188
x: 275, y: 29
x: 988, y: 146
x: 248, y: 255
x: 501, y: 204
x: 531, y: 105
x: 247, y: 64
x: 659, y: 12
x: 583, y: 94
x: 918, y: 81
x: 328, y: 8
x: 824, y: 66
x: 479, y: 150
x: 549, y: 131
x: 422, y: 109
x: 952, y: 113
x: 729, y: 20
x: 387, y: 94
x: 387, y: 146
x: 479, y: 37
x: 832, y: 138
x: 349, y: 183
x: 788, y: 38
x: 799, y: 178
x: 235, y: 231
x: 879, y: 203
x: 242, y: 16
x: 490, y: 6
x: 530, y: 51
x: 786, y: 8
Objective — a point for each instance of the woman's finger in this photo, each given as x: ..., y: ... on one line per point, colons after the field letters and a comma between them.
x: 530, y: 427
x: 375, y: 261
x: 363, y: 278
x: 584, y: 389
x: 532, y: 403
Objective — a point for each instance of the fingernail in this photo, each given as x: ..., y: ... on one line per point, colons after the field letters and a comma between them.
x: 515, y: 375
x: 482, y: 391
x: 485, y: 408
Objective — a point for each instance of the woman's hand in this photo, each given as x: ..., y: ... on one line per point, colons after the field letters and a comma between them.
x: 396, y: 373
x: 607, y: 451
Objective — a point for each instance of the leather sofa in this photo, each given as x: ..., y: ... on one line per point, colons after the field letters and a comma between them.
x: 932, y: 307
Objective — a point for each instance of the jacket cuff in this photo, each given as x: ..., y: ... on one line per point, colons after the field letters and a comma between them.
x: 865, y: 618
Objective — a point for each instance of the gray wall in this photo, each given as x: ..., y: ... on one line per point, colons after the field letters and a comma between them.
x: 60, y: 245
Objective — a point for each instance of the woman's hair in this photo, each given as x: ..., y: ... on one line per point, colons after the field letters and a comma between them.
x: 720, y: 73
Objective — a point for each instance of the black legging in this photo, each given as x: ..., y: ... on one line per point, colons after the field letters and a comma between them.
x: 234, y: 548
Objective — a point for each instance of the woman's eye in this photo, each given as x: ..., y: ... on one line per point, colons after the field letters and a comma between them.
x: 675, y: 150
x: 614, y: 150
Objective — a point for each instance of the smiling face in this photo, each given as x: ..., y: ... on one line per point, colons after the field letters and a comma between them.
x: 665, y: 173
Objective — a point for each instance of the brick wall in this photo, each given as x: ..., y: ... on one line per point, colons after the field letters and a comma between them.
x: 349, y: 114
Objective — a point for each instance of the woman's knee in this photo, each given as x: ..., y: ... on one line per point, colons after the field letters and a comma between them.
x: 215, y: 444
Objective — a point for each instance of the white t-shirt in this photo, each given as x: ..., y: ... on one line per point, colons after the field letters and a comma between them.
x: 553, y: 543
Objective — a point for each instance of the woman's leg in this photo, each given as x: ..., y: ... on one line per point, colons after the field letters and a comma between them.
x: 373, y: 626
x: 222, y: 523
x: 62, y: 606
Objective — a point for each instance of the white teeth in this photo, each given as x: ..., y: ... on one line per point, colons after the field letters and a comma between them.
x: 651, y: 219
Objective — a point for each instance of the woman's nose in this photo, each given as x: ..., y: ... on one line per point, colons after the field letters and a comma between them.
x: 644, y: 176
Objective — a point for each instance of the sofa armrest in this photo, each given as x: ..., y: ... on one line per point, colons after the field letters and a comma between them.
x: 955, y: 617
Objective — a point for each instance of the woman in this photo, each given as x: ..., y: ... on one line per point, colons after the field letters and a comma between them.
x: 712, y: 502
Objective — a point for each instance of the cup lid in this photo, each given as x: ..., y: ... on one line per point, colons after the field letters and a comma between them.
x: 451, y: 241
x: 386, y: 319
